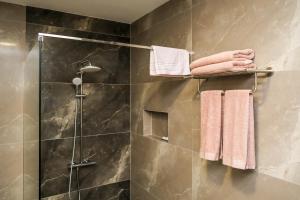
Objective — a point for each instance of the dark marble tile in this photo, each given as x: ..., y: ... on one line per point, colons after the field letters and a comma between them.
x: 57, y: 110
x: 60, y: 60
x: 56, y: 155
x: 32, y: 31
x: 112, y: 154
x: 115, y: 191
x: 76, y: 22
x: 12, y: 12
x: 106, y: 109
x: 63, y: 196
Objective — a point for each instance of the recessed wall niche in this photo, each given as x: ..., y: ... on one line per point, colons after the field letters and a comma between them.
x: 155, y: 124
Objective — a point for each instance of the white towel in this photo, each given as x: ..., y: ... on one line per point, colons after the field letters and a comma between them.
x: 166, y: 61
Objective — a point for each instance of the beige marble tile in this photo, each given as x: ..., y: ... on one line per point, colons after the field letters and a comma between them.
x: 31, y: 170
x: 162, y: 13
x: 12, y: 12
x: 212, y: 181
x: 161, y: 169
x: 272, y: 29
x: 180, y: 124
x: 138, y: 193
x: 278, y: 126
x: 174, y: 32
x: 159, y: 96
x: 11, y: 172
x: 11, y: 80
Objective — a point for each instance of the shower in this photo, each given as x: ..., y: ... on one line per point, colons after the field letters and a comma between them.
x: 86, y: 67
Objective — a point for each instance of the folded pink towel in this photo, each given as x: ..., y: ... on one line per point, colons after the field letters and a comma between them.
x: 236, y: 55
x: 211, y: 115
x: 238, y: 130
x: 229, y: 66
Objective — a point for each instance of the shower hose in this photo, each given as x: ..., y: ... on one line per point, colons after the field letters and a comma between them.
x: 73, y: 151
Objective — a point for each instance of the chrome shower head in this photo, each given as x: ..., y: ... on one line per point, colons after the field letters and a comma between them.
x: 90, y: 68
x: 77, y: 81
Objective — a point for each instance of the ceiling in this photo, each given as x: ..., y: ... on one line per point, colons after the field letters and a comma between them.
x: 126, y: 11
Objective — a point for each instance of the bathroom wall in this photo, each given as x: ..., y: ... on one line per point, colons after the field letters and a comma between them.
x: 106, y: 109
x: 173, y: 170
x: 12, y: 54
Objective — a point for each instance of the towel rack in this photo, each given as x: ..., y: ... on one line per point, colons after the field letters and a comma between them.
x: 267, y: 71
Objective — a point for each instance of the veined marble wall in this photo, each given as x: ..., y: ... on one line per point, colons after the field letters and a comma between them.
x: 106, y: 109
x: 173, y: 170
x: 12, y: 56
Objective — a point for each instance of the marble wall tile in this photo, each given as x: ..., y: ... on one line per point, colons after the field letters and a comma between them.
x: 31, y: 170
x: 76, y: 22
x: 115, y: 191
x: 213, y: 181
x: 58, y: 110
x: 218, y: 25
x: 177, y: 98
x: 63, y: 196
x: 138, y: 193
x: 60, y: 59
x: 106, y: 109
x: 12, y: 54
x: 55, y: 156
x: 249, y: 24
x: 12, y: 57
x: 12, y: 12
x: 174, y: 32
x: 112, y: 154
x: 32, y: 31
x: 279, y: 134
x: 163, y: 170
x: 162, y: 13
x: 11, y: 173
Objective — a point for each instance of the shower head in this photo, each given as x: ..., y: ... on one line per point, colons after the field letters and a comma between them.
x: 90, y: 68
x: 77, y: 81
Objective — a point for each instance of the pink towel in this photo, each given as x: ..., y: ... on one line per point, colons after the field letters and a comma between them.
x: 211, y: 115
x: 238, y: 130
x: 230, y: 66
x: 236, y: 55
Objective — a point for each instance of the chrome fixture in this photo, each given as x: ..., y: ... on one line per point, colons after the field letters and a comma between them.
x: 42, y: 35
x: 87, y: 67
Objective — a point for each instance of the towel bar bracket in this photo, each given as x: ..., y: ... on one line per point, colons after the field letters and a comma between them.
x: 266, y: 71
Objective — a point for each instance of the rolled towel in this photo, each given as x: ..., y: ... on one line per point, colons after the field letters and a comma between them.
x: 230, y: 66
x: 236, y: 55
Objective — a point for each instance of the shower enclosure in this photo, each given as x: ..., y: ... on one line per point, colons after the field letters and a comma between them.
x: 84, y: 119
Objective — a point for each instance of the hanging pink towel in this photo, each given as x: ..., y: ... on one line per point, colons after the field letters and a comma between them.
x: 211, y: 115
x: 238, y: 130
x: 236, y: 55
x: 230, y: 66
